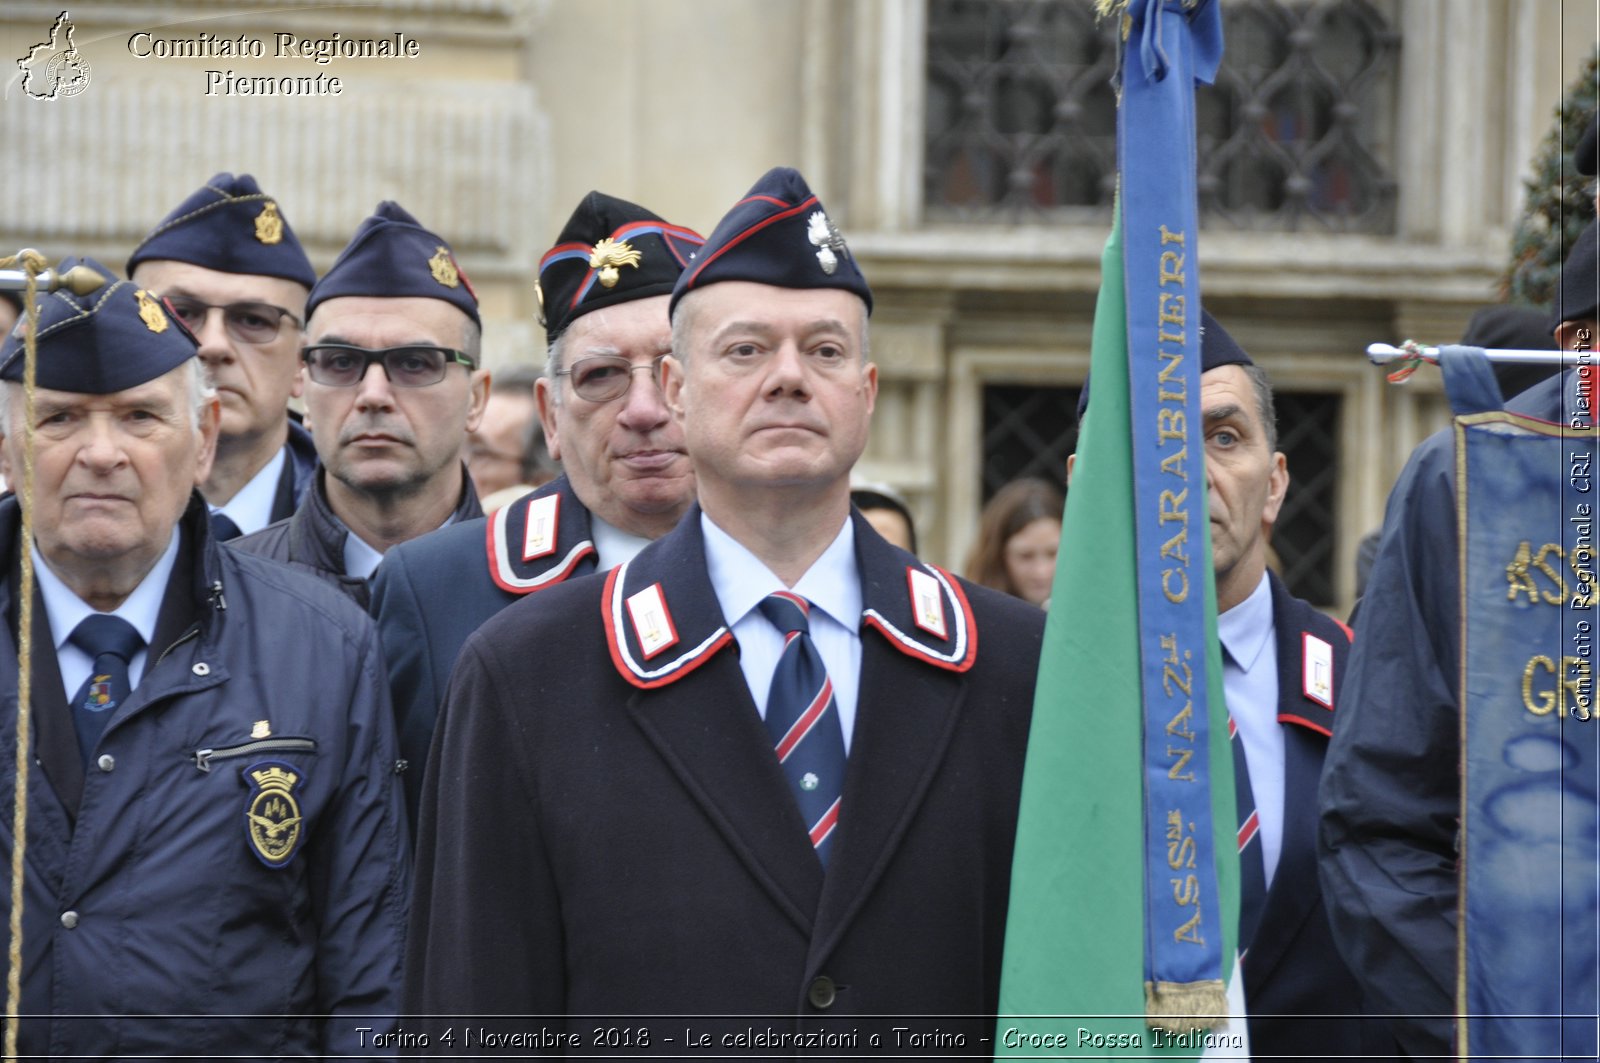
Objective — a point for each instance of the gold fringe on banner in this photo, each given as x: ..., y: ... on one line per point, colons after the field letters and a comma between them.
x: 1178, y: 1007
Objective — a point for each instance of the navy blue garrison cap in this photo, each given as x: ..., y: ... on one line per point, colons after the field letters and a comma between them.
x: 611, y: 251
x: 1579, y: 293
x: 1217, y: 349
x: 778, y: 234
x: 232, y: 226
x: 117, y: 337
x: 392, y: 256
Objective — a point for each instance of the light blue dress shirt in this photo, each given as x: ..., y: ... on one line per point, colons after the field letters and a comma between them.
x: 833, y: 586
x: 251, y: 506
x: 66, y: 611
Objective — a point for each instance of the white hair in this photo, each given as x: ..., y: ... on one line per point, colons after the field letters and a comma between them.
x: 201, y: 394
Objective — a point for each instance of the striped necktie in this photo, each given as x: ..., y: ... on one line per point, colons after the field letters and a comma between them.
x: 803, y: 718
x: 112, y: 642
x: 1252, y: 867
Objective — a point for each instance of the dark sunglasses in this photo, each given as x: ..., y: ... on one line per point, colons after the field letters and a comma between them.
x: 606, y: 377
x: 248, y: 322
x: 342, y: 365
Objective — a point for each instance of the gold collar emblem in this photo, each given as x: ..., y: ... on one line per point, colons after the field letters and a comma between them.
x: 443, y: 268
x: 150, y: 312
x: 269, y: 225
x: 610, y: 254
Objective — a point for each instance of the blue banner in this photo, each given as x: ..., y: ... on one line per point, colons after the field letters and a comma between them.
x: 1169, y: 46
x: 1530, y: 862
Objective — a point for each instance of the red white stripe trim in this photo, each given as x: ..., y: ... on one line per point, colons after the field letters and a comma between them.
x: 825, y: 825
x: 808, y: 719
x: 1247, y: 830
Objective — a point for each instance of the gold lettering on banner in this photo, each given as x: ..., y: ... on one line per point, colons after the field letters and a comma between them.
x: 1526, y: 565
x: 1181, y: 852
x: 1546, y: 690
x: 1172, y: 414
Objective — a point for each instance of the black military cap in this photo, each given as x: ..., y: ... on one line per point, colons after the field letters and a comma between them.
x: 1217, y: 349
x: 1579, y: 293
x: 778, y: 234
x: 610, y: 251
x: 232, y: 226
x: 392, y: 256
x: 116, y: 337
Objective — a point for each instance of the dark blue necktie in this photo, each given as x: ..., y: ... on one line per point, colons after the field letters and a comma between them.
x: 222, y: 527
x: 803, y: 718
x: 112, y: 642
x: 1252, y: 864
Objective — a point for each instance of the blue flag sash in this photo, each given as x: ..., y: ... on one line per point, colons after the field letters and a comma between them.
x: 1168, y: 47
x: 1530, y: 865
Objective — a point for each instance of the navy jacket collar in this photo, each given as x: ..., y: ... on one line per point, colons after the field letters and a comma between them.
x: 540, y: 540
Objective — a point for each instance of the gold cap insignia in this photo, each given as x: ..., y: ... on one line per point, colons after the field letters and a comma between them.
x: 269, y: 225
x: 827, y: 239
x: 443, y: 268
x: 262, y: 729
x: 272, y: 819
x: 608, y: 255
x: 538, y: 294
x: 150, y: 312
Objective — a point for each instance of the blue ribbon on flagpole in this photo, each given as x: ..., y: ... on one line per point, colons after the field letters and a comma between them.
x: 1169, y: 46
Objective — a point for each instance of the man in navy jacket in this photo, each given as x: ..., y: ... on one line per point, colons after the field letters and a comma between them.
x: 216, y: 858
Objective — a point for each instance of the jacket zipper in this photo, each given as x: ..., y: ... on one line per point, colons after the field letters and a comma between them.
x: 203, y: 757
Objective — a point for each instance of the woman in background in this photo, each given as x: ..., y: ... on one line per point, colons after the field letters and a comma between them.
x: 1017, y: 540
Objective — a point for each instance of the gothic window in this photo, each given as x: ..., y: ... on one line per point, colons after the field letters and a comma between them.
x: 1296, y: 134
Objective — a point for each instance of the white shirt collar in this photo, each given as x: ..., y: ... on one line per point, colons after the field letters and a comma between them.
x: 251, y: 507
x: 360, y: 559
x: 141, y: 608
x: 741, y: 580
x: 1245, y: 628
x: 614, y: 545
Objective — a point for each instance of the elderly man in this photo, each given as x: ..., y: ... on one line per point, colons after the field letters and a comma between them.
x: 216, y: 860
x: 627, y: 478
x: 392, y: 387
x: 1391, y: 792
x: 228, y: 248
x: 770, y: 766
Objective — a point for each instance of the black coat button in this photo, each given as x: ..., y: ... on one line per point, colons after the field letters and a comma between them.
x: 822, y: 992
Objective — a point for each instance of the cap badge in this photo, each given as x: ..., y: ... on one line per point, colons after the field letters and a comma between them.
x: 150, y: 312
x: 443, y: 268
x: 269, y: 225
x: 827, y: 239
x: 608, y: 255
x: 538, y: 295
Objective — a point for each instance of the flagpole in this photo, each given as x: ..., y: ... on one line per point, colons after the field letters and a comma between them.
x: 1384, y: 353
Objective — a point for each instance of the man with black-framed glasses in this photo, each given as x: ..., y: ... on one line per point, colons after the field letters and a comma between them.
x: 392, y: 386
x: 229, y: 267
x: 602, y: 292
